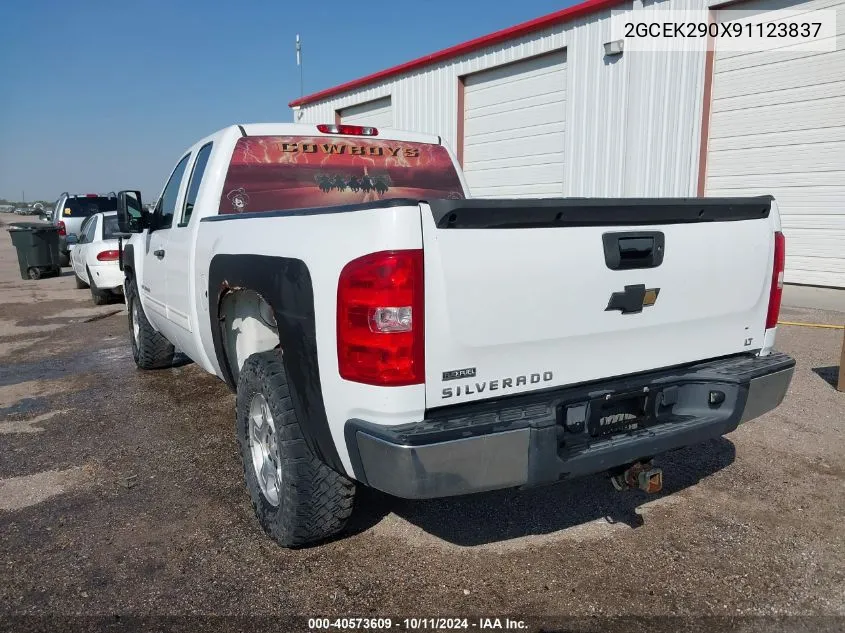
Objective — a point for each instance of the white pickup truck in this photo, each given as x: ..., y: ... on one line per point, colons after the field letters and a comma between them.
x: 382, y: 329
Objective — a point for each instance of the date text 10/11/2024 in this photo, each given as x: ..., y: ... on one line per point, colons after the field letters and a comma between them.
x: 416, y: 624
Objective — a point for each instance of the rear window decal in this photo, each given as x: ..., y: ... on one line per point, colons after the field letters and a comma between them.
x: 274, y: 173
x: 239, y: 199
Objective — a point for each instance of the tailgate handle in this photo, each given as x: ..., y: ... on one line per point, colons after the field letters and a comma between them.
x: 633, y: 249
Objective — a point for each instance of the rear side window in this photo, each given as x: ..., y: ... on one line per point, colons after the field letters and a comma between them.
x: 83, y: 229
x: 91, y: 230
x: 86, y: 206
x: 163, y: 215
x: 110, y: 229
x: 274, y: 173
x: 194, y: 185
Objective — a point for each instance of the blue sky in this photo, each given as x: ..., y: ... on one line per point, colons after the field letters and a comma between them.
x: 101, y: 96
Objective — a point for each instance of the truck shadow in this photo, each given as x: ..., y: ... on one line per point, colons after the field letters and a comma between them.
x: 829, y: 374
x: 502, y: 515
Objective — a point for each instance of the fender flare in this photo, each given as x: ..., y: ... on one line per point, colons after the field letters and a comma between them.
x: 128, y: 268
x: 285, y: 283
x: 128, y: 256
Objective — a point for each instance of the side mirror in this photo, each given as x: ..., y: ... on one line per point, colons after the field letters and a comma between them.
x: 132, y: 217
x: 72, y: 239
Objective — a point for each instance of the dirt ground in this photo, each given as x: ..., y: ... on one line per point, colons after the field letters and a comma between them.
x: 121, y: 495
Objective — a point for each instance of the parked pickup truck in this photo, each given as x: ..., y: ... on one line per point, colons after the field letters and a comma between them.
x: 382, y: 329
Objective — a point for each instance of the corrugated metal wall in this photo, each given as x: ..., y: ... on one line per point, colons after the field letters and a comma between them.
x: 778, y: 127
x: 633, y: 121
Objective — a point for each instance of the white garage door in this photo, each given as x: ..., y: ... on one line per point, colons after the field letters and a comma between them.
x: 378, y: 113
x: 778, y: 126
x: 514, y: 128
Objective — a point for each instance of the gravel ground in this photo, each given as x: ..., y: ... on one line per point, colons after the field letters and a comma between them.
x: 121, y: 494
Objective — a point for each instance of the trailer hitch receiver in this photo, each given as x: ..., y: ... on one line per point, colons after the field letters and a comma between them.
x: 641, y: 475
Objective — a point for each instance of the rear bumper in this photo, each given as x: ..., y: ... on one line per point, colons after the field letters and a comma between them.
x: 545, y: 437
x: 107, y: 276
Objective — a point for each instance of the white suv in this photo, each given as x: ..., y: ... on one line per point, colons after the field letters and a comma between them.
x: 71, y: 210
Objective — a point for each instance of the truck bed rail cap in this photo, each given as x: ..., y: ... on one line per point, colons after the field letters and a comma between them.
x: 558, y: 212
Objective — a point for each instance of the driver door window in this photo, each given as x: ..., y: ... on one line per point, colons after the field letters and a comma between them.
x: 166, y: 207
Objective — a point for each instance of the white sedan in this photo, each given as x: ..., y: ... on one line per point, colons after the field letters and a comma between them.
x: 94, y: 257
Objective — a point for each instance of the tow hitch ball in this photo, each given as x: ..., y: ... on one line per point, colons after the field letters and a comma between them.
x: 642, y: 475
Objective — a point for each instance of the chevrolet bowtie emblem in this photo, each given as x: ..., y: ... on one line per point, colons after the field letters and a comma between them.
x: 633, y: 299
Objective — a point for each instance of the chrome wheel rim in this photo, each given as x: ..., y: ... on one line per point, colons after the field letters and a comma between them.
x: 136, y: 323
x: 262, y: 446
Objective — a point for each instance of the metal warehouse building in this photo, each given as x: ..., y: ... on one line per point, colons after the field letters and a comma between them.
x: 540, y: 109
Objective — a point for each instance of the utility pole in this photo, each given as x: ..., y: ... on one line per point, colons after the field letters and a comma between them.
x: 299, y: 63
x: 23, y: 197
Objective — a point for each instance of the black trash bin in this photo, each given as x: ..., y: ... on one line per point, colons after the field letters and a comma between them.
x: 37, y: 244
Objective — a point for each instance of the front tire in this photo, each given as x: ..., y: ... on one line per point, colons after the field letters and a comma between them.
x: 149, y: 348
x: 297, y: 498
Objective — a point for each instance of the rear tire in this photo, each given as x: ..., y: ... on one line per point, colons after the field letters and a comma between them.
x: 35, y: 273
x: 81, y: 285
x: 100, y: 297
x: 64, y: 260
x: 149, y: 348
x: 299, y: 500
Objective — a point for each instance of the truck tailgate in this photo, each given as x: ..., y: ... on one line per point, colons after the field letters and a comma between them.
x: 523, y: 295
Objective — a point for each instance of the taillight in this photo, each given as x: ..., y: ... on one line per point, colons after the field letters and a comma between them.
x: 62, y: 228
x: 108, y: 256
x: 351, y: 130
x: 380, y: 329
x: 776, y: 291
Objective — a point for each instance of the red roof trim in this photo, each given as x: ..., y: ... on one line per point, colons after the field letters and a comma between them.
x: 558, y: 17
